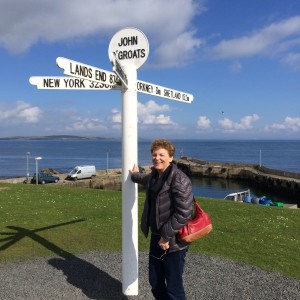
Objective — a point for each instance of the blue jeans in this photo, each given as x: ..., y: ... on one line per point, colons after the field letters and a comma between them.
x: 165, y: 272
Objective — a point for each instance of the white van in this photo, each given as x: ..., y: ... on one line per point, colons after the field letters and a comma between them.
x: 81, y: 172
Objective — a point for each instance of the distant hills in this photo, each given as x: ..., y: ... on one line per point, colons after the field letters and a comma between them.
x: 57, y: 137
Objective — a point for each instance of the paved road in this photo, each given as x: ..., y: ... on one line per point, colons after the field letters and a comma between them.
x: 97, y: 275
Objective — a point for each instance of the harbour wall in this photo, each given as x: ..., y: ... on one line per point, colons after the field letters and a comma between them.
x: 281, y: 182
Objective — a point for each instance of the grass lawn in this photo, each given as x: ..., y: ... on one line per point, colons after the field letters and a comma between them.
x: 46, y: 220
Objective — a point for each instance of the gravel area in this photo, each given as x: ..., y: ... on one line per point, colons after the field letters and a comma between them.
x: 97, y: 275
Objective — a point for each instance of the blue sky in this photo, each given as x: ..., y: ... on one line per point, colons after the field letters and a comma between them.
x: 240, y: 59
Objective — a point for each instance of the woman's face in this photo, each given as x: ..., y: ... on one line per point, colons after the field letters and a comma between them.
x: 161, y: 159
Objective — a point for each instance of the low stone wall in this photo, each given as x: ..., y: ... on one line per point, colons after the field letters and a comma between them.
x: 104, y: 182
x: 268, y: 179
x: 105, y: 179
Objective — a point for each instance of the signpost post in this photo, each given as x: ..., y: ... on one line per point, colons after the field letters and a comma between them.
x: 128, y: 50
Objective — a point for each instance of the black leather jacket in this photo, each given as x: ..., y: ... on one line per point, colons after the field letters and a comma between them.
x: 174, y: 205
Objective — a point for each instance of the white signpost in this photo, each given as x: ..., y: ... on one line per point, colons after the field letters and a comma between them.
x: 128, y: 50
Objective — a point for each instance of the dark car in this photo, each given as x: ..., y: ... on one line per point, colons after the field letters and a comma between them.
x: 44, y: 177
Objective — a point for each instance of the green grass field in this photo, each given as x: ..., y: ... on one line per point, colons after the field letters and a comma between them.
x: 46, y: 220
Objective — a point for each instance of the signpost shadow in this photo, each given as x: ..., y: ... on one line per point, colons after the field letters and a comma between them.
x: 94, y: 283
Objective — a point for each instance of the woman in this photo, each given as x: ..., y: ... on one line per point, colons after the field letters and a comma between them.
x: 168, y: 207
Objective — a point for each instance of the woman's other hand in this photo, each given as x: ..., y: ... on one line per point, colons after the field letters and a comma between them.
x: 163, y: 244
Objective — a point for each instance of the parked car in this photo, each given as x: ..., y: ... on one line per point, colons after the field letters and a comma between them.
x: 44, y: 177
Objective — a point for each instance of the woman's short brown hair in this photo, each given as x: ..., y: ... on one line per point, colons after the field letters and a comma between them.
x: 164, y: 144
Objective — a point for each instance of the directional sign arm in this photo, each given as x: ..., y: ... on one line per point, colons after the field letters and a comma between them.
x: 160, y: 91
x: 69, y: 83
x: 77, y: 69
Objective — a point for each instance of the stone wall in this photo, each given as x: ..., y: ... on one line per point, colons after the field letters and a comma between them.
x: 276, y: 181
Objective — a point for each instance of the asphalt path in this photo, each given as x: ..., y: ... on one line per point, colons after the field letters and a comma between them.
x: 97, y: 275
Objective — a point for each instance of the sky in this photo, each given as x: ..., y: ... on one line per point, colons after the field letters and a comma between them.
x: 240, y: 60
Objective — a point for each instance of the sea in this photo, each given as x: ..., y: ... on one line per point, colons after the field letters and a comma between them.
x: 63, y: 154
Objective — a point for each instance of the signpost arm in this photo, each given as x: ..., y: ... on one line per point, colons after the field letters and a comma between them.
x: 129, y: 189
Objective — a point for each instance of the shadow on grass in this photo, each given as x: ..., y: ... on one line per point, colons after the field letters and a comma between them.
x: 94, y: 283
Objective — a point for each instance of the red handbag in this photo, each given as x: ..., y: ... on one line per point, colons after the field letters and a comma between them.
x: 196, y: 228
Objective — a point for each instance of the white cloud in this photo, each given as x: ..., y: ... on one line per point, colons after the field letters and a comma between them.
x: 116, y: 116
x: 86, y: 125
x: 149, y: 113
x: 159, y: 119
x: 235, y: 67
x: 167, y: 22
x: 245, y: 123
x: 289, y: 123
x: 292, y: 60
x: 151, y: 107
x: 203, y: 122
x: 22, y: 112
x: 167, y: 54
x: 275, y: 39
